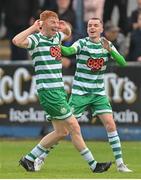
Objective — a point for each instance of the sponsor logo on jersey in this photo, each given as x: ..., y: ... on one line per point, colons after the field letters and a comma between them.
x: 55, y: 51
x: 95, y: 64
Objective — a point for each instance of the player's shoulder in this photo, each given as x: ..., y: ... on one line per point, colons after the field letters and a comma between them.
x: 35, y: 37
x: 85, y: 39
x: 82, y: 41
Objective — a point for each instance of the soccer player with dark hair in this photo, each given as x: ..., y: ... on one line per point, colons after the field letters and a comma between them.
x: 92, y: 55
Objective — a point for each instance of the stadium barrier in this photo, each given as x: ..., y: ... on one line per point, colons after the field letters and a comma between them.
x: 22, y: 116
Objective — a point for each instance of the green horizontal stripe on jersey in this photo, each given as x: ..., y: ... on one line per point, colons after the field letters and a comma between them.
x: 39, y: 81
x: 85, y: 71
x: 51, y: 88
x: 46, y: 62
x: 51, y: 71
x: 94, y: 90
x: 40, y: 53
x: 94, y: 46
x: 43, y: 44
x: 81, y: 79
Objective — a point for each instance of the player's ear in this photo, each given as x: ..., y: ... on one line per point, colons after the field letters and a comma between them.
x: 40, y: 24
x: 102, y: 29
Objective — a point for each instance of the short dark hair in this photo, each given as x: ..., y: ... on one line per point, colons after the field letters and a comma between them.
x: 96, y: 18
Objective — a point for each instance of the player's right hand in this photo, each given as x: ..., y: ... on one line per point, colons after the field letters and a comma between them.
x: 38, y: 25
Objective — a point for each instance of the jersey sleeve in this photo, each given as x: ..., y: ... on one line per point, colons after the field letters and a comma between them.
x: 61, y: 36
x: 117, y: 56
x: 113, y: 48
x: 33, y: 41
x: 78, y: 45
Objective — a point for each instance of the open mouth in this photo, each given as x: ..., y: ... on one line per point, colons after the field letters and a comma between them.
x: 54, y: 30
x: 92, y: 32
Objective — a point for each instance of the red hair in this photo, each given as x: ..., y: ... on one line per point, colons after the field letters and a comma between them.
x: 46, y: 14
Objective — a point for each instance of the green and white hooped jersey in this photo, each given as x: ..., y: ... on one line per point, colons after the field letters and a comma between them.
x: 46, y: 56
x: 91, y: 60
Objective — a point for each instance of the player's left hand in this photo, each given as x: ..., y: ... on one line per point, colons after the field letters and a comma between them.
x: 62, y: 25
x: 105, y: 43
x: 66, y: 28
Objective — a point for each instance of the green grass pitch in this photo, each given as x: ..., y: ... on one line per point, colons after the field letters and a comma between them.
x: 64, y: 162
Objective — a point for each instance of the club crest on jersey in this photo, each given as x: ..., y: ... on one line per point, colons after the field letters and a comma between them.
x: 55, y: 51
x: 95, y: 64
x: 63, y: 110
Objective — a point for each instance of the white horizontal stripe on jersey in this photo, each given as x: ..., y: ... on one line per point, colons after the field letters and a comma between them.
x: 48, y: 76
x: 41, y: 48
x: 48, y: 67
x: 89, y: 76
x: 50, y: 85
x: 96, y: 51
x: 88, y: 85
x: 80, y: 92
x: 82, y: 57
x: 43, y: 59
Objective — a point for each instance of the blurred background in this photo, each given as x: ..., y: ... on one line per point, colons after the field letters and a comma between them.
x: 20, y: 113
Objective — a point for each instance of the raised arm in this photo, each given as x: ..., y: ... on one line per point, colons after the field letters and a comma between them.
x: 21, y: 40
x: 115, y: 55
x: 118, y: 58
x: 65, y: 27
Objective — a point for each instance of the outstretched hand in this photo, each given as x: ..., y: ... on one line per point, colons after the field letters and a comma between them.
x: 105, y: 43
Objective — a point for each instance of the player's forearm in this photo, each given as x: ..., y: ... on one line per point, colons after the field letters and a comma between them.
x: 67, y: 31
x: 20, y: 39
x: 65, y: 28
x: 118, y: 58
x: 67, y: 51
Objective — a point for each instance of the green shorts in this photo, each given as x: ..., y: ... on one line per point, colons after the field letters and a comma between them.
x: 54, y: 102
x: 97, y: 103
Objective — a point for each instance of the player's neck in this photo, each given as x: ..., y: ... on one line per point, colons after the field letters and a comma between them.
x: 44, y: 33
x: 95, y: 40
